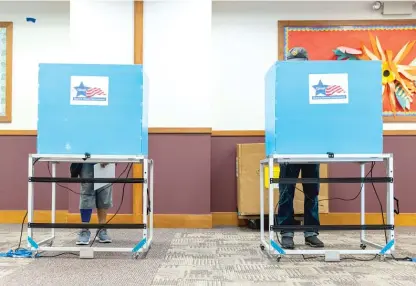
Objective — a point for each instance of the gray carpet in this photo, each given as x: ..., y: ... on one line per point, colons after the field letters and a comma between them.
x: 229, y: 256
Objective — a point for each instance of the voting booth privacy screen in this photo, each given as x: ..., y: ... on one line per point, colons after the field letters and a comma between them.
x: 316, y: 107
x: 95, y: 109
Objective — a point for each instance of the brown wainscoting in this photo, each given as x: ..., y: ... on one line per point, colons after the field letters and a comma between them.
x: 399, y: 142
x: 195, y: 174
x: 182, y: 163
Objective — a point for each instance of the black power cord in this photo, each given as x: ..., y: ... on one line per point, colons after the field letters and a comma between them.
x: 129, y: 166
x: 21, y: 232
x: 118, y: 209
x: 382, y: 217
x: 24, y: 217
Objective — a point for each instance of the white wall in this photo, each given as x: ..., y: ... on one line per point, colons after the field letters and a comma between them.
x: 56, y: 38
x: 204, y: 70
x: 45, y: 41
x: 102, y: 32
x: 177, y: 61
x: 244, y: 37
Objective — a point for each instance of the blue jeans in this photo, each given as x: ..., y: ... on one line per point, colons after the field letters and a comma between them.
x: 285, y: 214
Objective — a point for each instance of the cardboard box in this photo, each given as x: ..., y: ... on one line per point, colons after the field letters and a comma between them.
x: 248, y: 183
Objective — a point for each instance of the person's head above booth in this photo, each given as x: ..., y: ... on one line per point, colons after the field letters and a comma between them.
x: 297, y: 54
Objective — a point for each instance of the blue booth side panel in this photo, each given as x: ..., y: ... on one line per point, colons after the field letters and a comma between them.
x: 270, y: 116
x: 349, y: 126
x: 114, y: 128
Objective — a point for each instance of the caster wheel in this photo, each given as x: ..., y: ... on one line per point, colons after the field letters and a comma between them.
x: 278, y: 259
x: 363, y: 246
x: 262, y: 247
x: 252, y: 224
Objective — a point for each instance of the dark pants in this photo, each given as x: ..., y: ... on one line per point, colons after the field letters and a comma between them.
x: 285, y: 214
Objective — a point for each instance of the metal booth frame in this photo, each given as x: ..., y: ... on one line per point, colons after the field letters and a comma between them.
x: 273, y: 248
x: 88, y: 251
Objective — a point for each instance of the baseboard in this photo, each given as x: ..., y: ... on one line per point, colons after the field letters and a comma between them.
x: 16, y: 216
x: 198, y: 221
x: 183, y: 221
x: 160, y: 220
x: 226, y: 219
x: 119, y: 218
x: 405, y: 219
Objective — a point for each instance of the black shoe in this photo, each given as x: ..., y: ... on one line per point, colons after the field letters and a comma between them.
x: 313, y: 241
x: 287, y: 242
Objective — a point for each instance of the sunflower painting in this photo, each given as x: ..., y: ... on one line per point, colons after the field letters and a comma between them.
x: 390, y: 41
x: 398, y: 79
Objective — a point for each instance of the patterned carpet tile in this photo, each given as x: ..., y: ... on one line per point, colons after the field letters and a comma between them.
x: 214, y: 257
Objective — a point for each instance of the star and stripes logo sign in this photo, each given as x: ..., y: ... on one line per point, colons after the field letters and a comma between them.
x: 89, y: 90
x: 328, y: 88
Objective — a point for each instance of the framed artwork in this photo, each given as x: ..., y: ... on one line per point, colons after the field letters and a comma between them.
x: 6, y: 50
x: 391, y: 41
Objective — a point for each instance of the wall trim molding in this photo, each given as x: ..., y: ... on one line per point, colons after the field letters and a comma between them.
x: 203, y: 130
x: 237, y: 133
x: 198, y: 220
x: 180, y: 130
x: 137, y: 170
x: 18, y: 132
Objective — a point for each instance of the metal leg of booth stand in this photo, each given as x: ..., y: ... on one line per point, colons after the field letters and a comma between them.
x: 362, y: 211
x: 49, y: 240
x: 151, y: 202
x: 53, y: 199
x: 30, y: 201
x: 390, y: 202
x: 271, y: 202
x: 262, y: 242
x: 268, y: 244
x: 145, y: 201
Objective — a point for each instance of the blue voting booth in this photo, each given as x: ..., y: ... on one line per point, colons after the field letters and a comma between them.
x: 316, y: 107
x: 91, y: 108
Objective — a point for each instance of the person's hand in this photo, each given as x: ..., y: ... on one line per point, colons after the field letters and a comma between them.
x: 103, y: 164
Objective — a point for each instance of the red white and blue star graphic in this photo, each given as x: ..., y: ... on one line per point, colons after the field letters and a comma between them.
x: 328, y: 90
x: 86, y: 91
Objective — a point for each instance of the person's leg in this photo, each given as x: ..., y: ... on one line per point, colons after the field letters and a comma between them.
x: 311, y: 205
x: 104, y: 202
x: 285, y: 208
x: 86, y: 203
